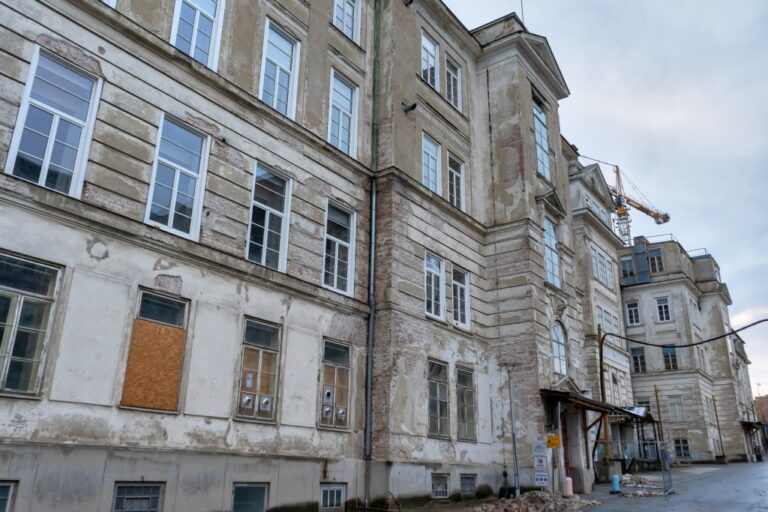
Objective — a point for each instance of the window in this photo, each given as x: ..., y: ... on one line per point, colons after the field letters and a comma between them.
x: 270, y: 209
x: 670, y: 357
x: 594, y: 263
x: 339, y: 249
x: 26, y: 303
x: 433, y: 286
x: 342, y: 120
x: 334, y: 411
x: 602, y: 269
x: 460, y: 297
x: 456, y: 182
x: 627, y: 267
x: 197, y: 29
x: 453, y: 83
x: 468, y: 485
x: 465, y: 406
x: 345, y: 17
x: 54, y: 127
x: 662, y: 308
x: 332, y: 496
x: 430, y: 69
x: 644, y: 402
x: 6, y: 496
x: 437, y: 381
x: 638, y: 360
x: 676, y: 409
x: 559, y: 355
x: 279, y: 71
x: 439, y: 485
x: 249, y: 497
x: 551, y: 256
x: 654, y: 261
x: 113, y: 4
x: 542, y: 138
x: 430, y: 163
x: 258, y: 380
x: 682, y: 449
x: 633, y: 313
x: 159, y: 334
x: 139, y: 497
x: 693, y: 306
x: 178, y: 180
x: 600, y: 212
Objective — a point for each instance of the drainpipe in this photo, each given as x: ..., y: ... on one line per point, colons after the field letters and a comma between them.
x: 368, y: 439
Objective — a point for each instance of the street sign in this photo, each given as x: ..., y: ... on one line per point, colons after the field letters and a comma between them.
x: 539, y: 463
x: 553, y: 441
x: 541, y: 479
x: 540, y: 448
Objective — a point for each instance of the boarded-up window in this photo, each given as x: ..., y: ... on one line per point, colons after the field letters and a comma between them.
x: 153, y: 373
x: 258, y: 382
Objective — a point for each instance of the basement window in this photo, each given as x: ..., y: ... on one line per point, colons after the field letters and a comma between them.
x: 439, y: 485
x: 139, y: 497
x: 334, y: 408
x: 249, y: 497
x: 655, y: 263
x: 178, y: 179
x: 26, y: 305
x: 468, y: 485
x: 196, y: 29
x: 258, y: 379
x: 54, y: 126
x: 270, y: 209
x: 333, y: 496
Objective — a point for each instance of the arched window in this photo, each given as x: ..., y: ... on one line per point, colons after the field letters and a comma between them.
x: 559, y: 358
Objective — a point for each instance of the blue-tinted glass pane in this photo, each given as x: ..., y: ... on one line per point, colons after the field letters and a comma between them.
x: 62, y: 88
x: 181, y: 146
x: 25, y: 276
x: 249, y: 498
x: 58, y: 178
x: 280, y: 50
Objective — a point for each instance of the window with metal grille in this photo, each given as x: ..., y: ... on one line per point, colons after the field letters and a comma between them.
x: 54, y: 125
x: 460, y: 297
x: 249, y: 497
x: 453, y: 83
x: 433, y: 287
x: 345, y: 17
x: 662, y: 309
x: 638, y: 360
x: 270, y: 209
x: 439, y: 485
x: 455, y: 182
x: 342, y: 122
x: 551, y: 254
x: 430, y: 164
x: 430, y: 66
x: 437, y: 380
x: 139, y: 497
x: 26, y: 304
x: 465, y: 404
x: 468, y: 485
x: 332, y: 496
x: 559, y: 354
x: 279, y: 70
x: 197, y: 29
x: 338, y: 272
x: 178, y: 179
x: 258, y: 379
x: 633, y: 313
x: 334, y: 408
x: 670, y: 357
x: 542, y: 138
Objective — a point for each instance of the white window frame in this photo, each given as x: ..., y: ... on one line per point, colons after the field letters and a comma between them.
x: 355, y: 37
x: 159, y: 485
x: 639, y: 365
x: 335, y: 75
x: 333, y: 487
x: 78, y: 174
x: 441, y: 277
x: 465, y: 290
x: 554, y: 272
x: 544, y: 171
x: 213, y: 54
x: 286, y: 224
x: 197, y: 209
x: 678, y: 408
x: 671, y: 362
x: 435, y: 52
x: 457, y: 104
x: 629, y: 310
x: 438, y: 165
x: 659, y: 310
x: 459, y: 177
x: 655, y: 261
x: 350, y: 291
x: 292, y: 94
x: 557, y: 361
x: 245, y: 346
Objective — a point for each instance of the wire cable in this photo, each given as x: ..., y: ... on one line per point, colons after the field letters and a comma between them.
x: 688, y: 344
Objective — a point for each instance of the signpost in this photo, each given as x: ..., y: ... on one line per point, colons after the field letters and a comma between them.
x: 540, y: 464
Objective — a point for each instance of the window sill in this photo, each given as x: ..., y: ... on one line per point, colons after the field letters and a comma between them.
x: 435, y: 318
x: 255, y: 421
x: 337, y: 430
x: 439, y: 437
x: 144, y: 409
x: 468, y: 441
x: 336, y: 290
x: 21, y: 396
x: 346, y: 37
x: 467, y: 328
x: 162, y: 227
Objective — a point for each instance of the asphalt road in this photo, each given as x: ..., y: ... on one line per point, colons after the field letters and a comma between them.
x: 733, y: 487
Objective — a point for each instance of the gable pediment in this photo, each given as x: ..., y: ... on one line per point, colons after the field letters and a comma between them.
x: 546, y: 57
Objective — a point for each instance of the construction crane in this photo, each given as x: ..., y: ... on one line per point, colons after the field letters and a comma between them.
x: 622, y: 203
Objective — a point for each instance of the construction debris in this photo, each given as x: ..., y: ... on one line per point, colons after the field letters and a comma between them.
x: 537, y: 501
x: 644, y: 493
x: 628, y: 480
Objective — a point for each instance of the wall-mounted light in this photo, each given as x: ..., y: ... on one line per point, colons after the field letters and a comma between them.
x: 408, y: 108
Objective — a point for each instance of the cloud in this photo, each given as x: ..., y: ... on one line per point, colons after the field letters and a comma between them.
x: 749, y: 315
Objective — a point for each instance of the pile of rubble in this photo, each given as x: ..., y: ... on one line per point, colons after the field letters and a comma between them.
x: 628, y: 480
x: 537, y: 501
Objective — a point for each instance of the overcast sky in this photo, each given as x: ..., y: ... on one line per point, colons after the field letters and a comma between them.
x: 676, y: 93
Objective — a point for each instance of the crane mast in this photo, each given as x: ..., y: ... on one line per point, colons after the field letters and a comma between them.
x: 622, y: 203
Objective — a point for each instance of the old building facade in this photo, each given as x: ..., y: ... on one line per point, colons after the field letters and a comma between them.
x: 700, y: 394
